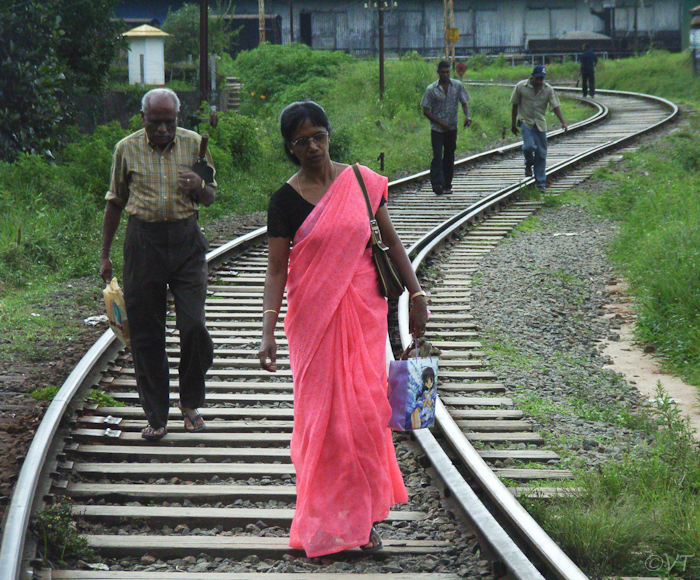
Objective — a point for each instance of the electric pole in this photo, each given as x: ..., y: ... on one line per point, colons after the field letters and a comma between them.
x: 381, y: 6
x: 261, y: 20
x: 203, y: 50
x: 450, y: 31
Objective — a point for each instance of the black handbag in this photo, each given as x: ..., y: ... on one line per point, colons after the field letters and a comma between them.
x: 390, y: 283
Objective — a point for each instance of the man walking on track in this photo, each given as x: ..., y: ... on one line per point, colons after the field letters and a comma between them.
x: 588, y: 61
x: 440, y: 106
x: 164, y: 248
x: 530, y: 99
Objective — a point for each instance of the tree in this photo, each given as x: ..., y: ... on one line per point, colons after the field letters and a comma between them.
x: 90, y: 42
x: 50, y: 52
x: 183, y: 26
x: 32, y: 78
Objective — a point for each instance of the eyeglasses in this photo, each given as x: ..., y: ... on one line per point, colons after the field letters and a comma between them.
x: 319, y: 138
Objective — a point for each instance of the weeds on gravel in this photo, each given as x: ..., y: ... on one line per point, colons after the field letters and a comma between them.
x: 102, y: 399
x: 57, y: 538
x: 639, y: 512
x: 45, y: 394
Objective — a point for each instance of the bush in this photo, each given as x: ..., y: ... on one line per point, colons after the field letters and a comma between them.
x: 267, y: 71
x: 238, y: 135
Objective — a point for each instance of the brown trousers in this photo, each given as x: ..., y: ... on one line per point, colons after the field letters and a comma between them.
x: 157, y: 256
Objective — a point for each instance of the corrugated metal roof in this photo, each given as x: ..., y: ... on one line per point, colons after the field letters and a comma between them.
x: 145, y: 30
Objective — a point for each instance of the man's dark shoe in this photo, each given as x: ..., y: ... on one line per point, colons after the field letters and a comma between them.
x: 528, y: 171
x: 448, y: 191
x: 438, y: 190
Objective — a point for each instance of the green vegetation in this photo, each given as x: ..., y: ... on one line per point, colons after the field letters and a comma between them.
x: 51, y: 54
x: 45, y: 394
x: 653, y: 195
x: 57, y: 538
x: 629, y: 514
x: 103, y: 399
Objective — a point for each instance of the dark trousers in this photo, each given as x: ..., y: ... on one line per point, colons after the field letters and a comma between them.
x: 443, y: 164
x: 588, y: 84
x: 158, y: 256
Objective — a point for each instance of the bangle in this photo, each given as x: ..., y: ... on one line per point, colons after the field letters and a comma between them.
x: 416, y: 294
x: 266, y: 311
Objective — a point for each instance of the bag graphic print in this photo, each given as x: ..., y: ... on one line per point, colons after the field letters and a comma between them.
x: 116, y: 311
x: 412, y: 392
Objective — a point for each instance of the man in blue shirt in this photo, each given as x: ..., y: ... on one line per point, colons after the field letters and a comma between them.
x: 440, y: 106
x: 588, y: 61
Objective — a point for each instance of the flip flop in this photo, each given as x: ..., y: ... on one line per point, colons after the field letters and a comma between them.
x: 375, y: 542
x: 192, y: 419
x: 151, y: 434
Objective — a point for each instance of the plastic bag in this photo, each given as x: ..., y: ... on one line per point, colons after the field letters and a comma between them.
x: 116, y: 311
x: 412, y: 391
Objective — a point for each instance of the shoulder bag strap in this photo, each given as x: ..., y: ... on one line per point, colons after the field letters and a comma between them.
x: 373, y: 225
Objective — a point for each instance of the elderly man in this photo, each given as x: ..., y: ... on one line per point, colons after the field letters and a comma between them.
x: 530, y: 99
x: 439, y: 104
x: 164, y: 247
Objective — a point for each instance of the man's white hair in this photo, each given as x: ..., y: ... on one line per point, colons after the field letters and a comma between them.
x: 153, y: 93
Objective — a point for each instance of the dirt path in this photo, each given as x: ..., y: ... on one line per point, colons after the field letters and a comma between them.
x: 642, y: 369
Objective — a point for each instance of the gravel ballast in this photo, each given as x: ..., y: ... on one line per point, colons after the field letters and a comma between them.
x: 539, y: 300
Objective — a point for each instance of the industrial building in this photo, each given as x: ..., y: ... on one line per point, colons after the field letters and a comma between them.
x: 493, y: 27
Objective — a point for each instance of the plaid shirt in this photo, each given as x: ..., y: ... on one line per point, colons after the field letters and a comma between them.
x: 444, y: 105
x: 532, y: 105
x: 144, y: 180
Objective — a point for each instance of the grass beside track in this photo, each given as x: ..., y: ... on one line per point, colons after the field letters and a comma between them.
x: 640, y: 516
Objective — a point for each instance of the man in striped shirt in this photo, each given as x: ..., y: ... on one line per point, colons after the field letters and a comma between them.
x: 152, y: 179
x: 440, y: 102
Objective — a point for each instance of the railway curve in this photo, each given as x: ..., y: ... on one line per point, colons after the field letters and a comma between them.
x: 72, y: 458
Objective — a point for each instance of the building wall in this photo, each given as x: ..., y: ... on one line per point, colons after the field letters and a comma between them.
x: 152, y: 50
x: 493, y: 26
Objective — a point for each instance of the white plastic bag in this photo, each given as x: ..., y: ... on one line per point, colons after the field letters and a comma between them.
x: 116, y: 311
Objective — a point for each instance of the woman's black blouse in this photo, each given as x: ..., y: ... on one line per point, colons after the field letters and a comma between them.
x: 288, y: 210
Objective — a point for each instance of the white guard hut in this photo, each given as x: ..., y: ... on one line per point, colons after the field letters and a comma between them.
x: 146, y: 55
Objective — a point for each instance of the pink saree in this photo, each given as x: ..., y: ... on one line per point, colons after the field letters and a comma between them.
x: 342, y: 449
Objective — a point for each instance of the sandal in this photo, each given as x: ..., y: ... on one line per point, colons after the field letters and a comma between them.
x: 152, y: 434
x: 375, y: 542
x: 192, y: 419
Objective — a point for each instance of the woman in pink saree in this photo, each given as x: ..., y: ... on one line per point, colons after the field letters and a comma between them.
x: 318, y: 234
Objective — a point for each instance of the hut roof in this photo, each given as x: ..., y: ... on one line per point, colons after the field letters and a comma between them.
x: 144, y: 30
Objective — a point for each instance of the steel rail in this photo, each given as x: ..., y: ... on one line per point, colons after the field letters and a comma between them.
x: 23, y: 497
x: 526, y: 526
x: 19, y: 509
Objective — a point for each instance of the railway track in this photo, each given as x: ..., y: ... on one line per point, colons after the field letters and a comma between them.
x: 196, y: 504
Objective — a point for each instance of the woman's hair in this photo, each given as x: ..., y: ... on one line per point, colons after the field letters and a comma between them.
x: 428, y: 373
x: 293, y: 116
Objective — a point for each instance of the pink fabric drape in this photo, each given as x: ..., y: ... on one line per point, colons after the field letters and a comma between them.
x: 347, y: 473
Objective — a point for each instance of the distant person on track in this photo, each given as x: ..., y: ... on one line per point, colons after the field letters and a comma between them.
x: 439, y: 103
x: 588, y: 60
x: 336, y: 324
x: 530, y: 99
x: 163, y: 247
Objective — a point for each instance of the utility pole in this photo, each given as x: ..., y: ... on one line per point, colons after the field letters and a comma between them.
x: 261, y: 20
x: 450, y: 31
x: 381, y: 6
x: 203, y: 50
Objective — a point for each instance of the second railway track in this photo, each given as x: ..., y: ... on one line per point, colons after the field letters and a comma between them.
x: 195, y: 504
